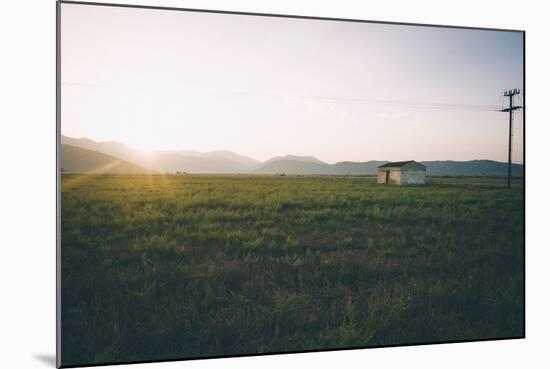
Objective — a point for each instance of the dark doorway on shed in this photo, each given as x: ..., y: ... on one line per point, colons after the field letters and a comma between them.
x: 387, y: 177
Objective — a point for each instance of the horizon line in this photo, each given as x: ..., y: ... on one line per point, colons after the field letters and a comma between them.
x: 281, y: 156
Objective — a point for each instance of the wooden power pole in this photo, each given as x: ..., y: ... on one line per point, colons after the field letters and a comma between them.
x: 510, y: 94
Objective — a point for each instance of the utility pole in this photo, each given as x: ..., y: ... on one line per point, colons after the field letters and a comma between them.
x: 510, y: 94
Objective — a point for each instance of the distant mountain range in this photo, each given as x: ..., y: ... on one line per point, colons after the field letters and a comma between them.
x: 170, y: 161
x: 82, y: 155
x: 295, y: 166
x: 77, y: 159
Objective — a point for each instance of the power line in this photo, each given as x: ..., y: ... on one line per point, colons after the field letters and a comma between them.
x: 343, y: 100
x: 392, y: 103
x: 398, y: 103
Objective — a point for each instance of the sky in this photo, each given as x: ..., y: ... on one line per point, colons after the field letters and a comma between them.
x: 269, y: 86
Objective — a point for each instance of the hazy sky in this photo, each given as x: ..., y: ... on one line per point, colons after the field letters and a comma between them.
x: 265, y: 86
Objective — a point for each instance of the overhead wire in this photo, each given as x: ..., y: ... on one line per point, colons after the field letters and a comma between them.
x: 347, y: 100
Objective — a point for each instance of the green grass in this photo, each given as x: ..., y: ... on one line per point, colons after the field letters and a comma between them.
x: 160, y: 267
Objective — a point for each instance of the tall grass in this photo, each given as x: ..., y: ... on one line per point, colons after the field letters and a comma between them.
x: 160, y: 267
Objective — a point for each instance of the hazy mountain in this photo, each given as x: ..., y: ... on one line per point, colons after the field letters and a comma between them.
x: 308, y: 167
x: 229, y: 162
x: 357, y: 168
x: 433, y: 168
x: 78, y: 160
x: 170, y: 161
x: 306, y: 159
x: 471, y: 168
x: 111, y: 148
x: 294, y: 167
x: 219, y: 155
x: 230, y: 155
x: 192, y: 153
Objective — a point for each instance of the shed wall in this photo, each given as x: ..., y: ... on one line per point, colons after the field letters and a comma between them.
x: 395, y: 176
x: 413, y: 177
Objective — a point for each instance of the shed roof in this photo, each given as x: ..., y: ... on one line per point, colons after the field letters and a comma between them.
x: 398, y: 164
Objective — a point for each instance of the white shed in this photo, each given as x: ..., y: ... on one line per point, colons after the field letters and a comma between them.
x: 402, y: 173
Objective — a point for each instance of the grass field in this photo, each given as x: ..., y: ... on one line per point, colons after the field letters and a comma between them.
x: 180, y: 266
